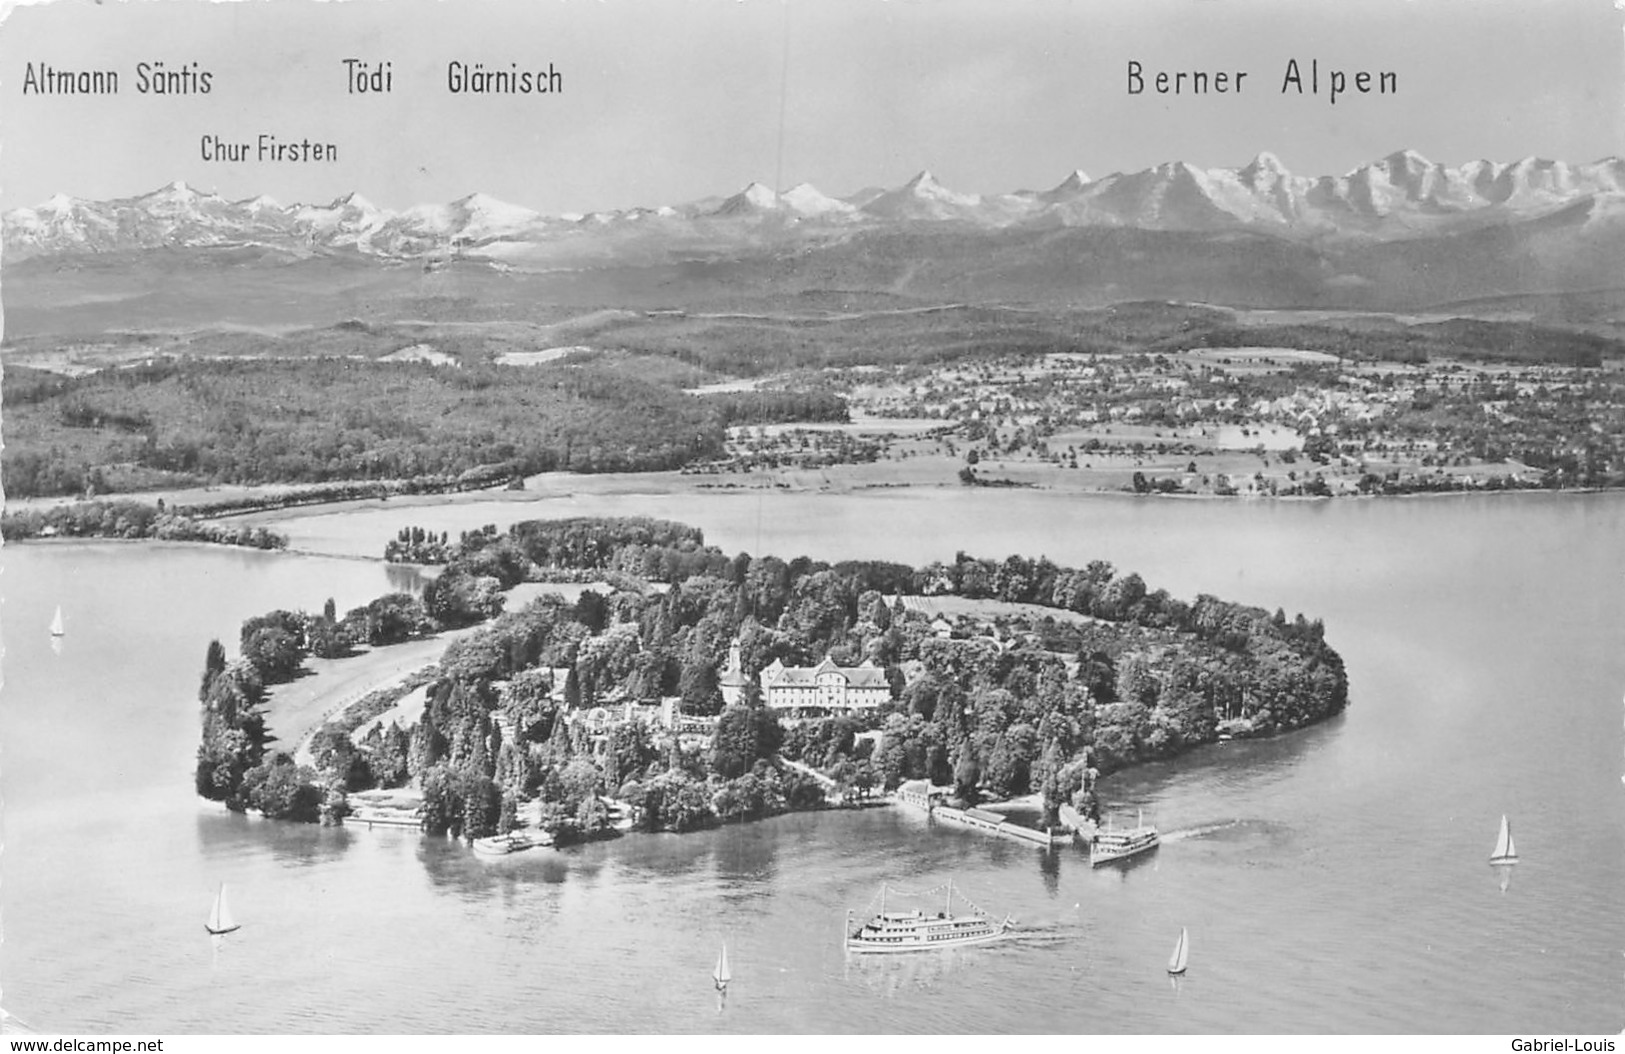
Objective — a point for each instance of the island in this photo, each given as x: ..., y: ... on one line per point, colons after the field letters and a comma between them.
x: 653, y: 682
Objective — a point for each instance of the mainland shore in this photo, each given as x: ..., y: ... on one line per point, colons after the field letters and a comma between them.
x: 1105, y: 475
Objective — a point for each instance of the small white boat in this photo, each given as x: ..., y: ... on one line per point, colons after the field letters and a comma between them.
x: 1505, y: 851
x: 1182, y: 951
x: 721, y: 975
x: 220, y: 920
x: 57, y: 629
x: 515, y: 841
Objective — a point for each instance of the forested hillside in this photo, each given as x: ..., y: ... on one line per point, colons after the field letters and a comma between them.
x: 324, y: 419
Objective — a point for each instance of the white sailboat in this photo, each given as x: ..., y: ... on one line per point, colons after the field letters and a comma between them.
x: 220, y: 920
x: 1505, y: 851
x: 721, y: 975
x: 57, y: 628
x: 1182, y: 950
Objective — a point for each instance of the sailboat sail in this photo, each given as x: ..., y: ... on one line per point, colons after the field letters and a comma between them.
x: 1176, y: 962
x: 1505, y: 851
x: 220, y: 920
x: 721, y: 974
x: 57, y: 628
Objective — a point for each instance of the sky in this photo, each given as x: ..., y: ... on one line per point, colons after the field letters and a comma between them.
x: 670, y: 101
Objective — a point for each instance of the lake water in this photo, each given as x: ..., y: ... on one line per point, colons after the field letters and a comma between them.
x: 1332, y: 880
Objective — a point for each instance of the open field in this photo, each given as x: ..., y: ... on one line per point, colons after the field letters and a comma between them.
x: 536, y: 358
x: 297, y: 710
x: 1243, y: 358
x: 294, y: 711
x: 951, y: 607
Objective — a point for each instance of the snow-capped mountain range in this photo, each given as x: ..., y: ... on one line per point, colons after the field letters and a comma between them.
x: 1398, y: 196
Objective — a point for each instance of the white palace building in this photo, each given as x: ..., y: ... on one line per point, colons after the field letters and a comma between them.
x: 826, y: 688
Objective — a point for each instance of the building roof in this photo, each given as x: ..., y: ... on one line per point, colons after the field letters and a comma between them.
x: 867, y: 675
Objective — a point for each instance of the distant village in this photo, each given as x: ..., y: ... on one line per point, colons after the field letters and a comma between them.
x: 1241, y: 421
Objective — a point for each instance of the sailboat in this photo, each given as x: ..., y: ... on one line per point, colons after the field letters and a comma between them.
x: 1182, y: 951
x: 721, y: 975
x: 1505, y: 851
x: 220, y: 920
x: 57, y: 629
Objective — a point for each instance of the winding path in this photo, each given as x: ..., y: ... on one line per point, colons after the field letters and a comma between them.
x: 823, y: 780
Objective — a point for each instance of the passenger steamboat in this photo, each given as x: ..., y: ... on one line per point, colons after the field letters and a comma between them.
x: 1113, y: 844
x: 916, y: 930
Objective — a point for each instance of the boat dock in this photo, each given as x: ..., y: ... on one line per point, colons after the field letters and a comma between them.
x: 919, y: 794
x: 401, y: 809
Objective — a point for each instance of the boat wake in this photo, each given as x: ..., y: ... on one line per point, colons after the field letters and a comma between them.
x: 1035, y: 935
x: 1220, y: 829
x: 1064, y: 928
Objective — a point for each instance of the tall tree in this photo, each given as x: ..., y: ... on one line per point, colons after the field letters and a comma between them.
x: 213, y: 663
x: 745, y: 735
x: 1051, y: 783
x: 966, y: 775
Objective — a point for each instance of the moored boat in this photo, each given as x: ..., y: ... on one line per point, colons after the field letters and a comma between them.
x: 917, y: 930
x: 1113, y: 844
x: 512, y: 842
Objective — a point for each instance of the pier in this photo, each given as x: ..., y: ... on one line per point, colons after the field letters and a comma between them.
x: 400, y: 808
x: 919, y: 794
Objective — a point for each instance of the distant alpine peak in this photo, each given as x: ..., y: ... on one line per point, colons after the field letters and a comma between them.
x: 351, y: 201
x: 1264, y: 161
x: 181, y: 192
x: 1407, y: 158
x: 481, y: 200
x: 494, y: 210
x: 1535, y: 164
x: 1077, y: 179
x: 1399, y: 195
x: 808, y: 200
x: 926, y: 186
x: 801, y: 201
x: 754, y: 199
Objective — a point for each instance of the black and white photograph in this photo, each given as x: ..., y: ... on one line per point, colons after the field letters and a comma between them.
x: 771, y: 517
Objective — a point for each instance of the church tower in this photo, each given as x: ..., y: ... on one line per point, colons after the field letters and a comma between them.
x: 732, y: 680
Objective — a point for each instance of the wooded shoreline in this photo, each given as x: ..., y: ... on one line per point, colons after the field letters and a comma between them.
x: 523, y: 706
